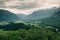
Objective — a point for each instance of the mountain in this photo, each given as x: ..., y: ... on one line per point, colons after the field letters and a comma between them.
x: 46, y: 16
x: 53, y: 20
x: 6, y: 16
x: 41, y: 14
x: 21, y: 16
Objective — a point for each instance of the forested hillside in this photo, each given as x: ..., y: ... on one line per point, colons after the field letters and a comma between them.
x: 28, y: 31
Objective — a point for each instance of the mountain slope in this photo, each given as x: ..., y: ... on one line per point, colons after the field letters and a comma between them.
x: 54, y: 20
x: 40, y: 14
x: 48, y: 16
x: 5, y: 15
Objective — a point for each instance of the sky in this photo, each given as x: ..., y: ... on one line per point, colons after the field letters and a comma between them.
x: 27, y: 6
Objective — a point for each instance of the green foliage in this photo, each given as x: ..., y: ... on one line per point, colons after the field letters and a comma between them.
x: 27, y: 31
x: 31, y: 34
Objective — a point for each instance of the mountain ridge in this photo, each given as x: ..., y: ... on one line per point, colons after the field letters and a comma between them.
x: 6, y: 15
x: 48, y: 16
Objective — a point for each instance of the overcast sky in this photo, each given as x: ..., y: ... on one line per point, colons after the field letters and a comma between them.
x: 27, y: 6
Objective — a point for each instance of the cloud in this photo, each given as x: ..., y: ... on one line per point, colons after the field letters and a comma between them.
x: 27, y: 5
x: 21, y: 4
x: 2, y: 5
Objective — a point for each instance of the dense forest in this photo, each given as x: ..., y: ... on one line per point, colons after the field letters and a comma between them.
x: 28, y: 31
